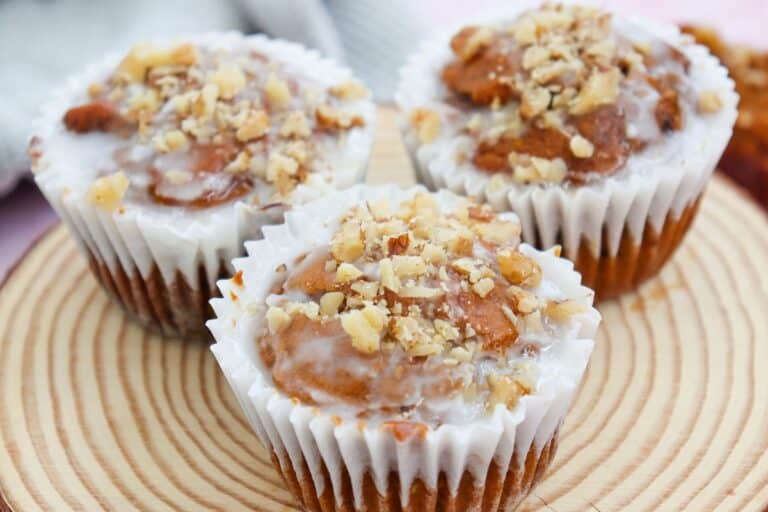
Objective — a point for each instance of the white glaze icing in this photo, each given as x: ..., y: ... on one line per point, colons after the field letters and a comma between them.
x: 178, y: 239
x: 663, y: 179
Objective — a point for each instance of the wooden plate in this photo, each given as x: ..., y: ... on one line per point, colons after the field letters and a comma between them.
x: 97, y: 414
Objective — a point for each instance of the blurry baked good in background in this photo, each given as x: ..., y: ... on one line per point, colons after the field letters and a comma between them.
x: 746, y: 157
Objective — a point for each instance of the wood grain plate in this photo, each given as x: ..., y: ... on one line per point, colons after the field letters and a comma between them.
x: 97, y: 414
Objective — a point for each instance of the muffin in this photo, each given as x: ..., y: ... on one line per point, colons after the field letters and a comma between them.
x: 600, y: 132
x: 746, y: 157
x: 163, y: 161
x: 400, y: 350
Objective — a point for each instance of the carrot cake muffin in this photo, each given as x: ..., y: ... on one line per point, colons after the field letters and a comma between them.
x: 746, y: 157
x: 164, y: 160
x: 399, y: 350
x: 600, y: 132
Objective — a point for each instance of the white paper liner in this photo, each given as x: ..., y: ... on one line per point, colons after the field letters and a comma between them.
x: 175, y: 240
x: 566, y: 215
x: 303, y: 433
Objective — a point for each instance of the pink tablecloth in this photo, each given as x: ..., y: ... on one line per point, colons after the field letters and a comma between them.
x: 24, y: 214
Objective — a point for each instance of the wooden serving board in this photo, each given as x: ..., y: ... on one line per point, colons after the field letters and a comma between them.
x: 97, y: 414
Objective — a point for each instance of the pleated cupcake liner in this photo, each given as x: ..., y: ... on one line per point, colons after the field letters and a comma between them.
x: 171, y: 261
x: 332, y: 466
x: 597, y: 213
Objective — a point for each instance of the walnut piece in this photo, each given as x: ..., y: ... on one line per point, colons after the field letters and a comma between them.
x: 107, y: 192
x: 427, y: 124
x: 709, y: 102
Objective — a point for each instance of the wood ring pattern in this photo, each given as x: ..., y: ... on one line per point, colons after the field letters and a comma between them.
x: 97, y: 414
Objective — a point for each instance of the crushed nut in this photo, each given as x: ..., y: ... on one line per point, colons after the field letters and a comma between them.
x: 350, y: 90
x: 479, y: 39
x: 229, y: 78
x: 519, y: 269
x: 330, y: 303
x: 561, y: 311
x: 364, y: 327
x: 256, y: 125
x: 483, y: 287
x: 347, y: 272
x: 277, y: 319
x: 296, y: 125
x: 709, y: 102
x: 581, y: 147
x: 107, y: 192
x: 427, y: 124
x: 347, y: 245
x: 601, y: 87
x: 278, y: 93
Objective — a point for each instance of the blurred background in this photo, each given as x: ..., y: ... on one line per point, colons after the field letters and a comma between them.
x: 43, y: 41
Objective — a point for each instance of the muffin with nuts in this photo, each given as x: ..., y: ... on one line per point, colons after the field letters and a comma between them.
x: 400, y: 350
x: 746, y: 157
x: 600, y: 132
x: 164, y: 160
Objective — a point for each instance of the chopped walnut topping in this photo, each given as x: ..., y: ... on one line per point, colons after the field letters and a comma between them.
x: 229, y: 78
x: 364, y: 327
x: 347, y: 245
x: 709, y: 102
x: 504, y: 391
x: 278, y: 93
x: 277, y: 319
x: 331, y: 302
x: 554, y: 84
x: 563, y: 310
x: 296, y: 124
x: 423, y: 300
x: 254, y: 126
x: 388, y: 277
x: 107, y: 192
x: 518, y: 269
x: 535, y: 101
x: 483, y: 287
x: 535, y: 170
x: 332, y: 118
x: 95, y: 89
x: 408, y: 266
x: 351, y: 90
x: 479, y: 39
x: 581, y: 147
x: 235, y: 113
x: 144, y: 56
x: 524, y: 301
x: 602, y: 87
x: 427, y: 123
x: 347, y: 272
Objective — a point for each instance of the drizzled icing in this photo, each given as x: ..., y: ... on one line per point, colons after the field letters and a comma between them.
x: 413, y: 314
x: 196, y: 125
x: 558, y: 94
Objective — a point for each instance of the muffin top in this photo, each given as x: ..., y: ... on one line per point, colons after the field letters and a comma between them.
x: 561, y: 94
x: 200, y: 124
x: 415, y: 313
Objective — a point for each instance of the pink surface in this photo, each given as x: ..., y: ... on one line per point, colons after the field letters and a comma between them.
x: 24, y: 216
